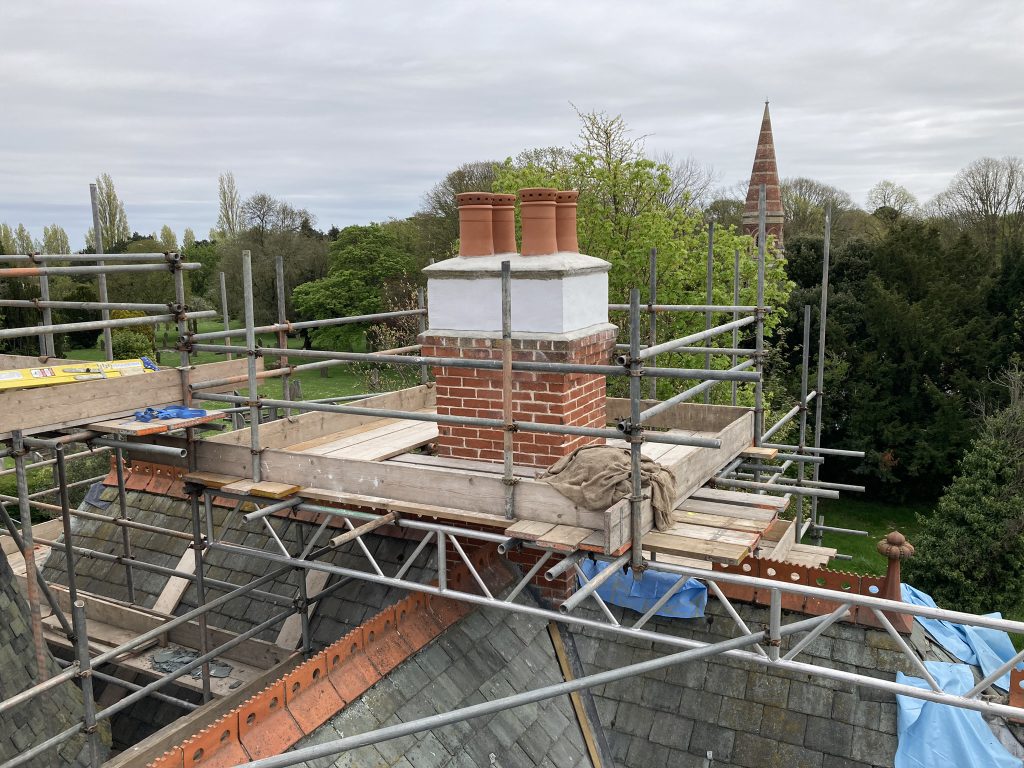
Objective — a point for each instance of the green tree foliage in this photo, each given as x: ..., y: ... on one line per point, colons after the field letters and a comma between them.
x: 271, y: 227
x: 188, y: 239
x: 168, y: 239
x: 626, y: 208
x: 55, y: 239
x: 113, y: 221
x: 129, y: 343
x: 203, y: 282
x: 970, y: 551
x: 24, y: 242
x: 229, y: 219
x: 369, y: 267
x: 7, y: 241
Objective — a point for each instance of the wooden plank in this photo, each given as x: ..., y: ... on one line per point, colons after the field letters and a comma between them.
x: 241, y: 487
x: 689, y: 562
x: 586, y: 727
x: 291, y: 629
x: 13, y: 362
x: 324, y: 443
x: 175, y: 587
x: 776, y: 530
x: 268, y: 489
x: 36, y: 410
x: 564, y: 538
x: 465, y: 465
x: 50, y: 529
x: 529, y: 530
x: 696, y: 416
x: 807, y: 554
x: 704, y: 533
x: 313, y: 424
x: 412, y: 436
x: 740, y: 498
x: 757, y: 452
x: 720, y: 521
x: 395, y: 505
x: 720, y: 552
x: 779, y: 549
x: 134, y: 428
x: 210, y: 479
x: 725, y: 510
x: 360, y: 530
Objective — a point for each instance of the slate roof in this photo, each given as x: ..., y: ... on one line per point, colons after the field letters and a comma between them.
x: 487, y: 655
x: 340, y: 612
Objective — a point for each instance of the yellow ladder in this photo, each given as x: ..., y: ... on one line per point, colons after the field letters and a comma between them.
x: 50, y: 375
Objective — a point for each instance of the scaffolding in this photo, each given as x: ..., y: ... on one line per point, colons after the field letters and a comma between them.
x: 444, y: 543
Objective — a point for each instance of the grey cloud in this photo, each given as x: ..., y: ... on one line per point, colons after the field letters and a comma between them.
x: 354, y: 109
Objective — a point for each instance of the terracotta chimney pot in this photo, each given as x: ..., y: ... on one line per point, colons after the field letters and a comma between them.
x: 537, y: 210
x: 565, y: 220
x: 504, y: 223
x: 475, y: 228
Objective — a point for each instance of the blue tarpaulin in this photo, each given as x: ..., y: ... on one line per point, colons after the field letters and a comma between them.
x: 641, y: 594
x: 933, y: 734
x: 987, y: 649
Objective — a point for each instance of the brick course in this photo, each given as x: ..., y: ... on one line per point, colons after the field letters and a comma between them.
x: 572, y: 399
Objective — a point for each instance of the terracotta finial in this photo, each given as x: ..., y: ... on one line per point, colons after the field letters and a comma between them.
x: 537, y: 211
x: 895, y: 548
x: 504, y: 223
x: 475, y: 233
x: 565, y: 220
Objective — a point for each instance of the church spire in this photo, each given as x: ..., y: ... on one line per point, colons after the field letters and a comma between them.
x: 765, y: 171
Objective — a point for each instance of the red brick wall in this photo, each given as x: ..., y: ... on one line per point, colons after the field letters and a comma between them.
x: 548, y: 398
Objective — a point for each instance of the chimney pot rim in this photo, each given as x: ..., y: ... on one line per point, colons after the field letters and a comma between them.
x: 537, y: 194
x: 567, y: 196
x: 474, y: 198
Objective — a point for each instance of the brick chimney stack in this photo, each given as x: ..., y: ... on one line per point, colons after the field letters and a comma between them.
x: 765, y: 171
x: 559, y: 314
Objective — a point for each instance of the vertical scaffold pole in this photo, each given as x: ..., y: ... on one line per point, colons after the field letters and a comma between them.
x: 421, y: 302
x: 282, y: 318
x: 46, y: 339
x: 101, y: 278
x: 652, y: 317
x: 762, y: 236
x: 225, y: 315
x: 802, y: 443
x: 85, y: 679
x: 635, y: 434
x: 820, y: 380
x: 250, y: 344
x: 60, y: 478
x: 28, y: 553
x: 197, y: 553
x: 506, y: 388
x: 126, y: 536
x: 735, y: 315
x: 710, y: 295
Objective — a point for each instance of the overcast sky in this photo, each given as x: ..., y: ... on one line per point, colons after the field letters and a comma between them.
x: 353, y: 110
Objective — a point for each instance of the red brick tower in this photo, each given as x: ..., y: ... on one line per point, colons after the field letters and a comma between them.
x: 765, y: 171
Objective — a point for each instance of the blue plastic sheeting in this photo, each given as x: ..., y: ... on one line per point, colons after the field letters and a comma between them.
x: 932, y: 734
x: 641, y: 595
x: 988, y: 649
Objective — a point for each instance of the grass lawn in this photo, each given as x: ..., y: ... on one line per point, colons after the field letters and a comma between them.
x: 878, y: 518
x: 340, y: 380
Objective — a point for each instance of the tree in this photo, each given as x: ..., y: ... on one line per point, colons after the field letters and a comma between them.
x: 188, y: 239
x: 438, y: 219
x: 805, y: 202
x: 168, y: 239
x: 24, y: 242
x: 113, y: 221
x: 55, y: 239
x: 970, y: 550
x: 229, y: 220
x: 370, y: 266
x: 623, y: 211
x: 888, y: 194
x: 986, y: 199
x: 8, y: 245
x: 691, y: 182
x: 272, y: 228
